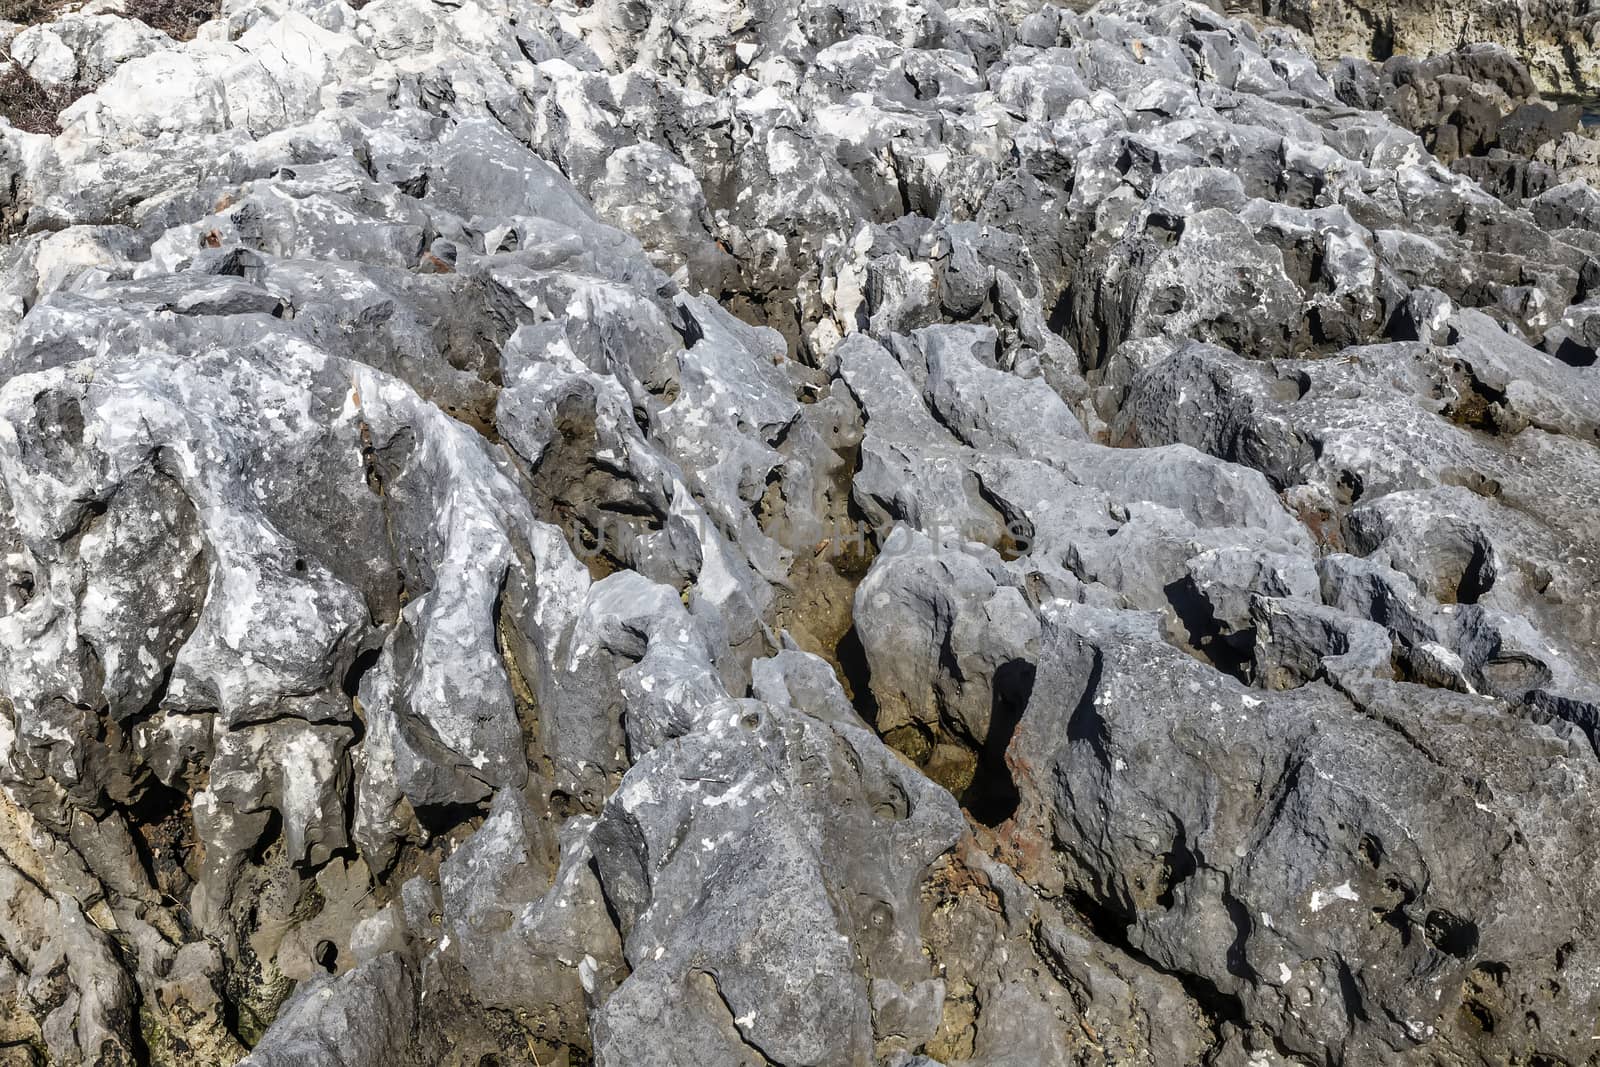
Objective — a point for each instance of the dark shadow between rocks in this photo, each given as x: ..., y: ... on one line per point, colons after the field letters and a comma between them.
x: 1227, y: 652
x: 992, y: 798
x: 852, y: 659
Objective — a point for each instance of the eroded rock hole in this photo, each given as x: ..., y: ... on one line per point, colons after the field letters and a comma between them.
x: 326, y: 956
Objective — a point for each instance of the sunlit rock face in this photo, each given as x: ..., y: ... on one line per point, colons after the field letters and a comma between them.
x: 1554, y: 39
x: 801, y: 532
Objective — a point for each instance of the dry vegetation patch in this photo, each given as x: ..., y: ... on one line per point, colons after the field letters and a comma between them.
x: 178, y: 19
x: 29, y: 106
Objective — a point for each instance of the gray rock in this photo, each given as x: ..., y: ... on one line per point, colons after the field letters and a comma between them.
x: 720, y: 853
x: 827, y: 532
x: 1310, y: 856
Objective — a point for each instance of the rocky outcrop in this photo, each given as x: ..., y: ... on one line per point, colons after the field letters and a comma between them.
x: 820, y: 532
x: 1555, y: 38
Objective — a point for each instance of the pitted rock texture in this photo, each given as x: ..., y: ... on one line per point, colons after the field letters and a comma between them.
x: 1556, y: 38
x: 812, y: 532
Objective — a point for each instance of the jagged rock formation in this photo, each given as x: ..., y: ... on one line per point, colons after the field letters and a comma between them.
x: 1555, y: 38
x: 825, y: 532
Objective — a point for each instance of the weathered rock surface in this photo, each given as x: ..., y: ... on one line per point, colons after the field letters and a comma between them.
x: 1555, y: 38
x: 812, y: 533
